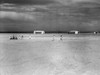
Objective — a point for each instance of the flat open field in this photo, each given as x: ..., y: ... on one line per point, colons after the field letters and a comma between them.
x: 48, y: 55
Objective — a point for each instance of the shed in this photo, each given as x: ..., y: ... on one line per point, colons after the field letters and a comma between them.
x: 39, y: 32
x: 74, y: 32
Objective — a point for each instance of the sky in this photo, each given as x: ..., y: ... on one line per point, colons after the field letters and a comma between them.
x: 39, y: 2
x: 42, y: 2
x: 49, y: 15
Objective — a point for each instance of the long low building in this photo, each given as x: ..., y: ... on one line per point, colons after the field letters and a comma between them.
x: 73, y: 32
x: 39, y: 32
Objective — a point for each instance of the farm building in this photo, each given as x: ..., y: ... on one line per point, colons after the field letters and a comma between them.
x: 39, y: 32
x: 74, y: 32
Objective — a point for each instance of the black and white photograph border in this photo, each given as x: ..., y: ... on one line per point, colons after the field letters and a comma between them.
x: 49, y: 37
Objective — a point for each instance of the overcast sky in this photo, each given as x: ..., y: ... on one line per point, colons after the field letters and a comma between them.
x: 44, y: 1
x: 27, y: 1
x: 29, y: 15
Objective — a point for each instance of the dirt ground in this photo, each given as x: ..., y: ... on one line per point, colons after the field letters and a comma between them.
x: 74, y: 55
